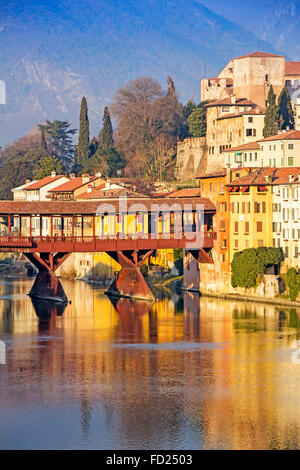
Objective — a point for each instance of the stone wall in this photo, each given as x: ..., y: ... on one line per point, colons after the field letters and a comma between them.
x: 190, y: 153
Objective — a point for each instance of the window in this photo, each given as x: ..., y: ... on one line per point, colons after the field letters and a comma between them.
x: 290, y: 161
x: 249, y: 132
x: 250, y: 119
x: 266, y: 77
x: 260, y: 243
x: 236, y: 227
x: 296, y: 252
x: 259, y: 227
x: 246, y: 227
x: 225, y: 109
x: 291, y: 146
x: 255, y: 156
x: 236, y: 243
x: 286, y: 251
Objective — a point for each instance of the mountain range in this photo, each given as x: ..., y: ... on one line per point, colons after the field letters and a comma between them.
x: 54, y: 52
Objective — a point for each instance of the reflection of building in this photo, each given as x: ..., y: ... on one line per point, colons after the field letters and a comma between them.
x: 212, y: 374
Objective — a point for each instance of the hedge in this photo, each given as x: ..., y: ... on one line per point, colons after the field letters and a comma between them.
x: 249, y: 264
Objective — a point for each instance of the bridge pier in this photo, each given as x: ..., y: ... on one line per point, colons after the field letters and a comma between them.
x: 130, y: 282
x: 46, y: 285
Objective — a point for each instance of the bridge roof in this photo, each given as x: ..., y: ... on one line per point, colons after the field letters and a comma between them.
x: 94, y: 207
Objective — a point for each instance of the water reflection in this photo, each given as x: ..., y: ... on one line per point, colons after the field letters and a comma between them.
x: 183, y: 372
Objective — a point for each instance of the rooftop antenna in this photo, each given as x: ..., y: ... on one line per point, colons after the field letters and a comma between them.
x: 205, y: 69
x: 258, y: 45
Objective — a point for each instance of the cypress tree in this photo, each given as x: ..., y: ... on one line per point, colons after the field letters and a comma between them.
x: 171, y: 85
x: 285, y: 110
x: 83, y: 148
x: 43, y: 144
x: 271, y: 117
x: 106, y: 138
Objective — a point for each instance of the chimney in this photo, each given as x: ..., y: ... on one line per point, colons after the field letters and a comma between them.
x: 98, y: 175
x: 85, y: 179
x: 228, y: 174
x: 27, y: 182
x: 291, y: 178
x: 90, y: 188
x: 233, y: 99
x: 108, y: 185
x: 268, y: 178
x: 72, y: 176
x: 53, y: 174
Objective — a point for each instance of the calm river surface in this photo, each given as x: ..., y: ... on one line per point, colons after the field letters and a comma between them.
x: 182, y: 373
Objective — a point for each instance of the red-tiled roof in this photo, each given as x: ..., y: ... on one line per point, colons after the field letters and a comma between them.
x: 248, y: 146
x: 268, y: 176
x: 92, y: 207
x: 223, y: 172
x: 43, y: 182
x: 293, y: 134
x: 292, y: 68
x: 258, y: 55
x: 227, y: 102
x: 186, y: 192
x: 73, y: 184
x: 111, y: 193
x: 252, y: 112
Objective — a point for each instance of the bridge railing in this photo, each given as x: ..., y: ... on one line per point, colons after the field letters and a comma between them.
x: 31, y: 242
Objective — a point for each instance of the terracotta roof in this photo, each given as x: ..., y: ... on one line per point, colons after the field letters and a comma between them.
x: 111, y: 194
x: 227, y: 102
x: 292, y: 68
x: 293, y: 134
x: 186, y: 192
x: 248, y: 146
x: 93, y: 207
x: 258, y: 54
x: 244, y: 113
x: 275, y: 175
x: 223, y: 172
x: 73, y: 184
x: 43, y: 182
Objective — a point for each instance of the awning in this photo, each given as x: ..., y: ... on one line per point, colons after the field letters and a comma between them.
x: 262, y: 188
x: 238, y: 153
x: 244, y: 189
x: 235, y: 189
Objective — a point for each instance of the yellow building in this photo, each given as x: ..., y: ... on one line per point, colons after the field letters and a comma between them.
x: 251, y: 212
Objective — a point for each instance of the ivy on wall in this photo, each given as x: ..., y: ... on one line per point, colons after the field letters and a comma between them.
x: 249, y: 264
x: 293, y: 283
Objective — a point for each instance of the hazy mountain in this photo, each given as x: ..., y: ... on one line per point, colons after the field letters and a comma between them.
x: 276, y: 21
x: 53, y: 52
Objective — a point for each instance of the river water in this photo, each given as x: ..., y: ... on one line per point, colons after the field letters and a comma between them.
x: 182, y: 373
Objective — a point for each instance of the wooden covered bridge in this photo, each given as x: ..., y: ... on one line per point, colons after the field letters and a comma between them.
x: 128, y: 231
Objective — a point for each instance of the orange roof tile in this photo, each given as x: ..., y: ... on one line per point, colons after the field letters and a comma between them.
x: 268, y: 176
x: 186, y: 192
x: 73, y: 184
x: 91, y: 207
x: 227, y: 102
x: 248, y: 146
x: 292, y: 134
x: 111, y: 193
x: 43, y: 182
x: 292, y: 68
x: 258, y: 55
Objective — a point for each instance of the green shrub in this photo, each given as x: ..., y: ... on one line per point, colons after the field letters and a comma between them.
x: 293, y: 283
x: 249, y: 264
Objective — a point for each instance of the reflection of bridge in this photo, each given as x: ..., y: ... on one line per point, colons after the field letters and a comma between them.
x: 47, y: 232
